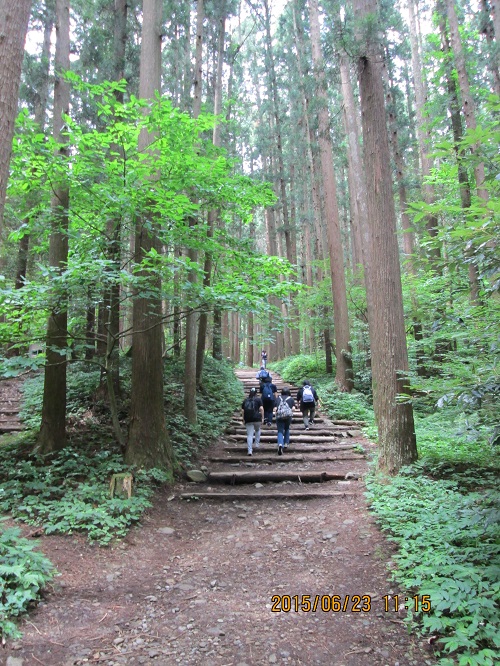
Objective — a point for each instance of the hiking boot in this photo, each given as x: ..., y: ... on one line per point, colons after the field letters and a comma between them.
x: 249, y: 453
x: 280, y: 450
x: 307, y: 427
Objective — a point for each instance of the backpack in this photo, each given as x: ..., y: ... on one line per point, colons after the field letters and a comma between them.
x: 267, y: 391
x: 284, y: 410
x: 263, y: 374
x: 249, y: 411
x: 307, y: 394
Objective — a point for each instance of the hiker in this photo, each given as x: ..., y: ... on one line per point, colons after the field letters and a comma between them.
x: 284, y: 411
x: 262, y: 374
x: 253, y: 411
x: 268, y: 392
x: 308, y: 400
x: 264, y: 358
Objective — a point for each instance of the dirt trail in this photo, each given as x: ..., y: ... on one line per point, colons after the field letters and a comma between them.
x: 194, y: 584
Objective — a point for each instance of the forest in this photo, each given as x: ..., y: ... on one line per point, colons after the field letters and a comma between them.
x: 185, y: 184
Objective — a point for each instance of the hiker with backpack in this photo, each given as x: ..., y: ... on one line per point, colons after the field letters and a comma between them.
x: 253, y: 411
x: 307, y: 399
x: 264, y: 358
x: 262, y: 374
x: 268, y: 392
x: 284, y: 412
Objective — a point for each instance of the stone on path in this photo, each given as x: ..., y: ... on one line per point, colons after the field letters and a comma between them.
x: 197, y: 475
x: 166, y: 530
x: 14, y: 661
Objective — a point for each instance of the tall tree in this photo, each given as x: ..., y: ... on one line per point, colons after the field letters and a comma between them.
x: 423, y: 136
x: 396, y: 430
x: 52, y: 436
x: 14, y: 16
x: 468, y: 105
x: 212, y: 215
x: 457, y: 128
x: 343, y: 375
x: 190, y: 411
x: 40, y: 110
x: 148, y: 442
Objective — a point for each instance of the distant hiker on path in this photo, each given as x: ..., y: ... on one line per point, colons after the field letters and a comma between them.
x: 284, y: 411
x: 253, y: 412
x: 268, y: 392
x: 264, y: 358
x: 307, y: 399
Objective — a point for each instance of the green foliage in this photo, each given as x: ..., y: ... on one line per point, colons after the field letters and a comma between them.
x: 187, y: 177
x: 448, y: 549
x: 448, y: 437
x: 340, y: 405
x: 81, y: 385
x: 23, y: 575
x: 295, y: 369
x: 68, y: 491
x: 219, y: 395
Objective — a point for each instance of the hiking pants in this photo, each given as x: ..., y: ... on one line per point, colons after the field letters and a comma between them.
x: 307, y: 409
x: 268, y: 410
x: 251, y: 429
x: 283, y: 426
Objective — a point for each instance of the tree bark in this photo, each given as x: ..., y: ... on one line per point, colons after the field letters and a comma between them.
x: 42, y: 95
x: 148, y: 442
x: 14, y: 16
x: 465, y: 92
x: 343, y: 350
x: 52, y: 436
x: 488, y: 30
x: 495, y: 15
x: 355, y: 165
x: 423, y: 135
x: 397, y: 444
x: 463, y: 178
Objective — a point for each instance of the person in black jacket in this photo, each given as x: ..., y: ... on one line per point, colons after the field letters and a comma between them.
x: 308, y: 400
x: 253, y: 411
x: 268, y: 392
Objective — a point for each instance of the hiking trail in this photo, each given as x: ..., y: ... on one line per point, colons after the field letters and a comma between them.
x: 234, y: 574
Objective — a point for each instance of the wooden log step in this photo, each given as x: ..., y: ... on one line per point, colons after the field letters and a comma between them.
x: 14, y: 427
x: 348, y: 423
x: 297, y: 420
x: 312, y: 431
x: 278, y: 475
x: 293, y: 437
x: 279, y: 495
x: 296, y: 449
x: 287, y: 458
x: 10, y: 410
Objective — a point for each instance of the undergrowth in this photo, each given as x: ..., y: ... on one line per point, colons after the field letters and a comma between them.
x: 217, y: 398
x: 443, y: 512
x: 24, y: 573
x: 68, y: 491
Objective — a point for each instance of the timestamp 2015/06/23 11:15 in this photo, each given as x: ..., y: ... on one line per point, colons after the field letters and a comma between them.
x: 356, y: 603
